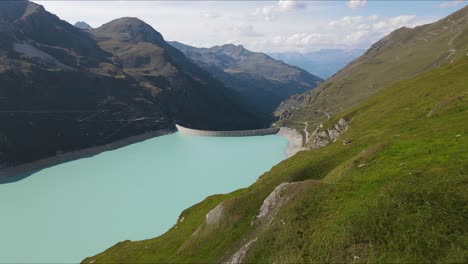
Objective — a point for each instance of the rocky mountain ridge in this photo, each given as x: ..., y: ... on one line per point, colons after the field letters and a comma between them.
x: 72, y: 88
x: 261, y: 80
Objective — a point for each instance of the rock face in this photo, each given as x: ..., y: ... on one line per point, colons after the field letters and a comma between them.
x: 320, y: 138
x: 214, y: 216
x: 239, y: 256
x: 73, y: 89
x: 273, y: 202
x: 261, y: 80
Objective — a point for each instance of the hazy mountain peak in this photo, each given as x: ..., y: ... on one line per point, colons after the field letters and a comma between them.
x: 233, y: 46
x: 82, y: 25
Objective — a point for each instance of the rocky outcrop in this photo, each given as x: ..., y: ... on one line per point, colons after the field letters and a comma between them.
x: 239, y: 256
x: 322, y: 137
x: 214, y: 216
x: 273, y: 202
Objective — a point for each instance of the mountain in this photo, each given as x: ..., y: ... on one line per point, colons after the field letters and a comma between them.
x: 63, y: 88
x: 261, y: 80
x: 403, y: 54
x: 390, y: 189
x: 385, y: 183
x: 82, y: 25
x: 324, y: 63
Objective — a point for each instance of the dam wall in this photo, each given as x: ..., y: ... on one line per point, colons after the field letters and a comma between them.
x: 235, y: 133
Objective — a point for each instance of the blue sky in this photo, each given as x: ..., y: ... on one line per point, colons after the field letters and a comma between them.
x: 268, y: 26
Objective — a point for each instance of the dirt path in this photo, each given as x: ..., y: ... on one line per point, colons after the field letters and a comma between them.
x: 306, y: 133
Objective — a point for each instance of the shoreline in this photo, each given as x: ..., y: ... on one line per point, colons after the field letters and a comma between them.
x: 31, y: 167
x: 292, y: 136
x: 294, y: 140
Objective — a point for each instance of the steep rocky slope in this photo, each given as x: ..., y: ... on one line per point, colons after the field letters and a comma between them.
x: 403, y: 54
x: 261, y: 80
x: 63, y: 88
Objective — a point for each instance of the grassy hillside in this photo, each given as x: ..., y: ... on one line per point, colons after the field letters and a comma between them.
x: 403, y: 54
x: 396, y: 193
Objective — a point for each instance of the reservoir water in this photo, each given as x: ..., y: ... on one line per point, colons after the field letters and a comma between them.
x: 77, y: 209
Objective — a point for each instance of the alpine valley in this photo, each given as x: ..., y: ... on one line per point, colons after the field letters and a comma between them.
x: 376, y: 171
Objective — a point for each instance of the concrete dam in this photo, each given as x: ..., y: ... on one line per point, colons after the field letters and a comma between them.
x: 235, y: 133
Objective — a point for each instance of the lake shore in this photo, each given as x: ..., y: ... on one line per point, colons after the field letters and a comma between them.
x: 14, y: 171
x: 294, y: 140
x: 294, y: 145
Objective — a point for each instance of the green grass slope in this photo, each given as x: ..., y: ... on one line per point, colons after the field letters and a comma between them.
x: 396, y: 193
x: 403, y: 54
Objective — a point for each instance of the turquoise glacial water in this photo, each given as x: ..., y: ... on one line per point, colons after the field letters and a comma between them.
x: 65, y: 213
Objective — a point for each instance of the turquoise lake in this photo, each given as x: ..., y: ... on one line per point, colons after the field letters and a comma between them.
x: 77, y: 209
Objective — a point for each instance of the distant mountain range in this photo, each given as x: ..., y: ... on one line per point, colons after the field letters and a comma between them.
x: 262, y: 81
x: 63, y: 88
x: 323, y: 63
x: 402, y: 54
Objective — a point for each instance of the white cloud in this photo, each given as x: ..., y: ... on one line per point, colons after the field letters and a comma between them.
x: 293, y: 42
x: 451, y: 3
x: 208, y: 14
x: 347, y: 32
x: 356, y: 36
x: 283, y: 6
x: 346, y: 21
x: 245, y: 30
x: 373, y: 18
x: 291, y: 5
x: 356, y: 3
x: 303, y: 39
x: 385, y: 26
x: 377, y: 24
x: 300, y: 26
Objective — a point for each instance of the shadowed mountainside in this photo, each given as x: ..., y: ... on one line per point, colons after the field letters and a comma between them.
x: 262, y: 81
x: 63, y: 88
